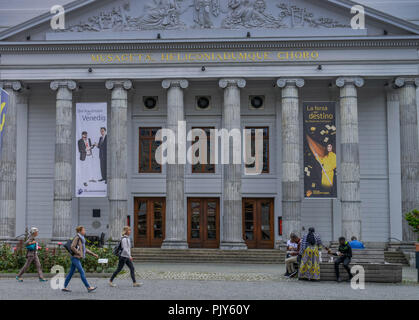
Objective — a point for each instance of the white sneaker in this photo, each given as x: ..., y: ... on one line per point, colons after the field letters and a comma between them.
x: 112, y: 284
x: 137, y: 284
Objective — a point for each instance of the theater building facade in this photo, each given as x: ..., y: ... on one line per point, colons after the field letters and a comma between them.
x: 214, y: 64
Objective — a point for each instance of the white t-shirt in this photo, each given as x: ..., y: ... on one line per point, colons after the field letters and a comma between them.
x: 292, y: 244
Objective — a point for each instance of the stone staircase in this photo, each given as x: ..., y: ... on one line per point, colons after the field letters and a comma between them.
x: 250, y: 256
x: 395, y: 257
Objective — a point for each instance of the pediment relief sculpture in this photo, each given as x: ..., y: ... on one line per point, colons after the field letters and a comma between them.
x: 203, y: 14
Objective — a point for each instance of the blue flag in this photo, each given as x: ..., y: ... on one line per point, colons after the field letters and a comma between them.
x: 4, y: 101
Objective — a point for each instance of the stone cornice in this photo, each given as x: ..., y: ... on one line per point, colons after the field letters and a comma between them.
x: 221, y: 44
x: 182, y: 83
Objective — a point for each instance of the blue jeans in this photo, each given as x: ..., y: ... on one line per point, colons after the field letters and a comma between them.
x: 76, y: 264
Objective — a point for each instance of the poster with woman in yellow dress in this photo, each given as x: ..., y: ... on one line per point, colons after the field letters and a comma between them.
x: 319, y: 150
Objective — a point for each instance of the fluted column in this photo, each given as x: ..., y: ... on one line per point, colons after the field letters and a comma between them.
x: 118, y: 135
x: 176, y: 237
x: 350, y: 194
x: 291, y: 190
x: 8, y: 164
x: 232, y: 201
x: 409, y: 149
x: 62, y: 216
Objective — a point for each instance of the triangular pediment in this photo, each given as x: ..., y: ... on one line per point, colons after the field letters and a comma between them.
x: 199, y: 19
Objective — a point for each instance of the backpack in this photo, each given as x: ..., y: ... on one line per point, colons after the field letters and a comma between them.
x: 117, y: 250
x: 67, y: 246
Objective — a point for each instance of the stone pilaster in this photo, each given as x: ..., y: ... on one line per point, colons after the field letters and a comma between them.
x: 118, y: 175
x: 232, y: 201
x: 409, y: 149
x: 291, y: 190
x: 350, y: 194
x: 62, y: 216
x: 176, y: 237
x: 8, y: 164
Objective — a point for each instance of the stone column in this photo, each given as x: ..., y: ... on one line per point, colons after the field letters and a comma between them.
x: 394, y: 171
x: 118, y: 174
x: 176, y: 237
x: 62, y: 217
x: 409, y: 149
x: 350, y: 194
x: 8, y: 164
x: 291, y: 188
x: 232, y: 173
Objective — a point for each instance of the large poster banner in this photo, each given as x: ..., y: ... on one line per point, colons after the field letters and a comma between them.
x: 319, y: 140
x: 91, y: 146
x: 4, y: 102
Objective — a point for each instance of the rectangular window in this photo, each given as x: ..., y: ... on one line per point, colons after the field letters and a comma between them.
x: 208, y: 167
x: 265, y: 157
x: 147, y: 151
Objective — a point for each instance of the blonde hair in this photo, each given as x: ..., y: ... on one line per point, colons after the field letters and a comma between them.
x: 79, y: 229
x: 125, y: 230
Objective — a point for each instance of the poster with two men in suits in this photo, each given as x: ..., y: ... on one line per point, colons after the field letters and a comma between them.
x: 91, y: 149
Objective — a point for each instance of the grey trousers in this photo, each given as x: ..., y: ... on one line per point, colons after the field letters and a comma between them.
x: 29, y: 260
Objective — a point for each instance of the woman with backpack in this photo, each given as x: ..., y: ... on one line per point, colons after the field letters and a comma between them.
x: 124, y: 253
x: 31, y: 256
x: 310, y: 260
x: 79, y: 250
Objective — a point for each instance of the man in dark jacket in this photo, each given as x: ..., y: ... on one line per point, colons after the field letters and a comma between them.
x: 102, y: 145
x: 85, y: 148
x: 344, y: 255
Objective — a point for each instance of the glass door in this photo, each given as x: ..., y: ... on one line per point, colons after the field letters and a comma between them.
x: 203, y: 223
x: 149, y: 219
x: 258, y: 227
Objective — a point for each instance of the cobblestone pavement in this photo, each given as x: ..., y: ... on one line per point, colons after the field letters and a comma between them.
x: 207, y: 281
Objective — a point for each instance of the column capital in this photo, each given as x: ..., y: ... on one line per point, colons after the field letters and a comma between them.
x: 15, y: 85
x: 69, y: 84
x: 182, y: 83
x: 227, y: 82
x: 402, y: 81
x: 343, y: 81
x: 126, y: 84
x: 297, y: 82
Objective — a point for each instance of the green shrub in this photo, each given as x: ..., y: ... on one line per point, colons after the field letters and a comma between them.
x: 13, y: 259
x: 412, y: 218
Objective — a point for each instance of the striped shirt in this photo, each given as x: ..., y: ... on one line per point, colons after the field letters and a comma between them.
x: 305, y: 244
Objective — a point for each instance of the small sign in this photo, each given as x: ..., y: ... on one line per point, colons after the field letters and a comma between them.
x: 102, y: 261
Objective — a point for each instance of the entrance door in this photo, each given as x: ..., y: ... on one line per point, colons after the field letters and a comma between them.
x: 258, y: 223
x: 203, y: 223
x: 149, y: 221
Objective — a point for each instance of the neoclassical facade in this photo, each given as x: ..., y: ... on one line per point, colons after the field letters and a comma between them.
x: 205, y: 64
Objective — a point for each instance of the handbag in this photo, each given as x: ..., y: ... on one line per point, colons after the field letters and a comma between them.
x: 31, y: 247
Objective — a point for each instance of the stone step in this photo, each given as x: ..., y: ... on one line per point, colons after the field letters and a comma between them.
x: 395, y: 257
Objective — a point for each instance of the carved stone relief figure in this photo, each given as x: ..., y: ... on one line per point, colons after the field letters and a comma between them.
x: 203, y: 11
x: 162, y: 14
x: 248, y: 14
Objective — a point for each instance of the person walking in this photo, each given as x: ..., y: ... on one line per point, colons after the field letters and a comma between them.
x: 78, y: 247
x: 310, y: 260
x: 31, y: 256
x: 125, y: 258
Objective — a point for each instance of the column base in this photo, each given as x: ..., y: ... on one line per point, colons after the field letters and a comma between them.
x: 233, y: 246
x: 173, y: 244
